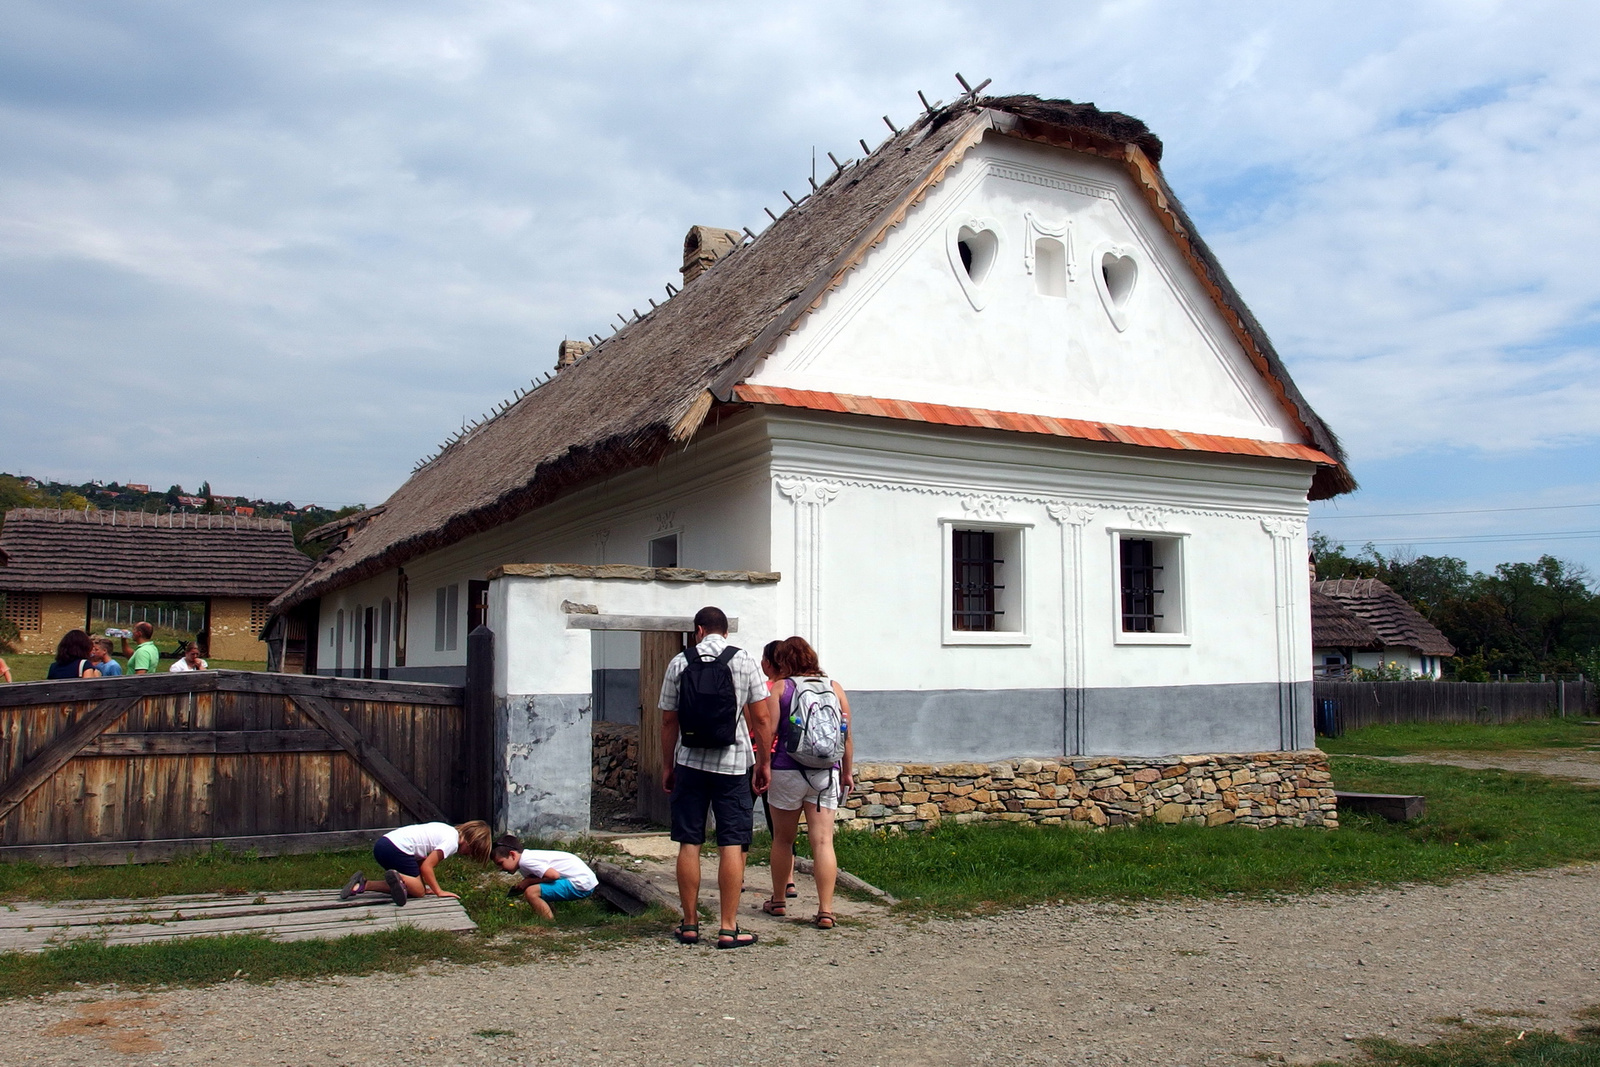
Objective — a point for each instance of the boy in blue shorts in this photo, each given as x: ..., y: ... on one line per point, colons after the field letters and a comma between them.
x: 546, y: 875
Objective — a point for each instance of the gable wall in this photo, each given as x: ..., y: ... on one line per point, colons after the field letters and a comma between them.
x: 906, y: 323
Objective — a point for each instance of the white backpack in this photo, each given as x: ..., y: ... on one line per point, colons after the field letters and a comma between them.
x: 816, y: 724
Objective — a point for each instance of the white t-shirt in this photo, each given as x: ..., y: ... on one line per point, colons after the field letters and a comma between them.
x: 183, y: 665
x: 534, y: 863
x: 424, y: 837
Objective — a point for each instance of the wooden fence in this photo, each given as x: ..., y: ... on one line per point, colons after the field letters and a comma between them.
x: 143, y: 768
x: 1342, y: 706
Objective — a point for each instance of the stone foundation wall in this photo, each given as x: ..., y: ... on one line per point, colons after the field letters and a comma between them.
x: 616, y: 761
x: 1256, y: 789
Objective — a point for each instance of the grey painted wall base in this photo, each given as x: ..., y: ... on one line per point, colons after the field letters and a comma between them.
x: 542, y: 782
x: 943, y: 725
x: 436, y: 675
x: 616, y: 695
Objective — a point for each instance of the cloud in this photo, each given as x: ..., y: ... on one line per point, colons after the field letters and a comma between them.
x: 289, y: 246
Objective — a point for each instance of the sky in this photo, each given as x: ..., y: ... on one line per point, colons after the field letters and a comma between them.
x: 289, y: 247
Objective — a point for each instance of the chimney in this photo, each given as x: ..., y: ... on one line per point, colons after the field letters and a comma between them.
x: 569, y: 352
x: 704, y: 246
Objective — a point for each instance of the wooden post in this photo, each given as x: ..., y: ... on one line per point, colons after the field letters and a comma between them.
x: 656, y: 649
x: 477, y: 733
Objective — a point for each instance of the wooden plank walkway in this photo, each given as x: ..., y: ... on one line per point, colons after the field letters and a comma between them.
x: 318, y: 913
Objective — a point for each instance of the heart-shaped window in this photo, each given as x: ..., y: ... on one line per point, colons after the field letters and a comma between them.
x: 974, y: 247
x: 1115, y: 281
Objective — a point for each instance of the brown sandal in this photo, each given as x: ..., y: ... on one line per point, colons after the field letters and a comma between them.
x: 775, y: 907
x: 823, y: 920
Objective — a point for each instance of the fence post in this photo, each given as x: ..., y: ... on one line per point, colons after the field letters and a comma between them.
x: 477, y: 727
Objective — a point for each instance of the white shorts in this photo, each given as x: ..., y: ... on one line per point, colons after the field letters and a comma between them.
x: 791, y: 788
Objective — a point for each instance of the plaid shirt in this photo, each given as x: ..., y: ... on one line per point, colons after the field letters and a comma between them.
x: 750, y: 685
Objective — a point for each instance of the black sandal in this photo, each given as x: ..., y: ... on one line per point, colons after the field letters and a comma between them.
x: 736, y: 938
x: 791, y: 891
x: 687, y: 933
x: 356, y: 884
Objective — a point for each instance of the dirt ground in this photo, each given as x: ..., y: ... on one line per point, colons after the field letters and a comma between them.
x: 1182, y: 983
x: 1576, y: 765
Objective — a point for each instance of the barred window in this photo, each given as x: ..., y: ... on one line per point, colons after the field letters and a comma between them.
x: 983, y: 581
x: 1150, y: 607
x: 259, y: 614
x: 975, y: 588
x: 23, y: 609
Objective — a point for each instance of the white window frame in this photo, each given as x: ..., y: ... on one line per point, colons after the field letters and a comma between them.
x: 1017, y: 606
x: 1183, y: 635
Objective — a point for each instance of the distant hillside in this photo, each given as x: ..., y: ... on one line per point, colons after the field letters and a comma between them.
x: 23, y: 491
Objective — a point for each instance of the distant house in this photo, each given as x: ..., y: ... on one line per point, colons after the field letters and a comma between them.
x: 54, y: 563
x: 1361, y: 622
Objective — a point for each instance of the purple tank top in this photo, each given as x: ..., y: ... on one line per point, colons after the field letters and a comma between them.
x: 781, y: 760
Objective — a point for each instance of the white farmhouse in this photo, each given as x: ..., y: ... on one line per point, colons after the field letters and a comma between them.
x: 982, y: 418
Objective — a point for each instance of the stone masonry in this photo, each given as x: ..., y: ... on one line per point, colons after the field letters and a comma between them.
x: 1256, y: 789
x: 616, y: 761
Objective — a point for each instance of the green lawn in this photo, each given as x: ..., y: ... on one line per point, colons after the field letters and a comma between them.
x: 1477, y: 821
x: 1401, y: 739
x: 31, y: 668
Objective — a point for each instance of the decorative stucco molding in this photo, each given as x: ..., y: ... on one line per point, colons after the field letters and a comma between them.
x: 985, y: 506
x: 1283, y: 526
x: 809, y: 496
x: 1148, y: 518
x: 666, y: 520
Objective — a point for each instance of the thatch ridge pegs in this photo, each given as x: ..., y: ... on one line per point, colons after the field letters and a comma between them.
x: 892, y: 127
x: 864, y: 147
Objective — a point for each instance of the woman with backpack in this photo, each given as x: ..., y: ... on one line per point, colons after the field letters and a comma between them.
x: 811, y: 772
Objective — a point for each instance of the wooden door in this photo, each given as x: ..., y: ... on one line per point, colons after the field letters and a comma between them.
x: 656, y: 649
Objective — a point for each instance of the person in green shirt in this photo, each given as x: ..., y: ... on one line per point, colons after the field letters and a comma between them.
x: 146, y: 656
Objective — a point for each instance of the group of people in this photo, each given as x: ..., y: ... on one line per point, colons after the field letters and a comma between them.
x: 733, y: 729
x: 80, y: 656
x: 409, y: 858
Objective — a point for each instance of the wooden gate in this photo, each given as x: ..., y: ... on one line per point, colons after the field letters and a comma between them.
x: 140, y: 769
x: 656, y: 649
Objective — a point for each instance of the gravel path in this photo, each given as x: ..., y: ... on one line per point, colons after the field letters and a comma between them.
x: 1183, y: 983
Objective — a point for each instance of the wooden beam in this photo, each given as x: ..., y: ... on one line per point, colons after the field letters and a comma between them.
x: 59, y: 752
x: 369, y: 758
x: 635, y: 885
x: 74, y: 690
x: 112, y: 853
x: 678, y: 624
x: 210, y: 742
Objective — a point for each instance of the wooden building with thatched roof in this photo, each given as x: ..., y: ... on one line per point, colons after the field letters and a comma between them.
x: 54, y: 563
x: 984, y: 410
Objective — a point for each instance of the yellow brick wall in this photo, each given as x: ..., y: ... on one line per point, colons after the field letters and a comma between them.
x: 58, y: 613
x: 232, y: 636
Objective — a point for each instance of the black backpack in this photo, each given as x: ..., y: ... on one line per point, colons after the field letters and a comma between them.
x: 708, y: 703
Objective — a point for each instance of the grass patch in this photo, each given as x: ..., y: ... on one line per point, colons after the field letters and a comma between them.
x: 1403, y: 739
x: 208, y: 960
x: 1478, y: 821
x: 1474, y: 1046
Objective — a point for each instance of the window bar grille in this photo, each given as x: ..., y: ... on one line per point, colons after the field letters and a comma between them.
x: 1139, y: 592
x: 975, y: 564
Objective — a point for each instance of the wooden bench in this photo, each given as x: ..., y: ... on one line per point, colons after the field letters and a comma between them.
x: 1396, y: 807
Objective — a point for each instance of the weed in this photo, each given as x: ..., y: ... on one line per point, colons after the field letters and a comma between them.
x: 1401, y: 739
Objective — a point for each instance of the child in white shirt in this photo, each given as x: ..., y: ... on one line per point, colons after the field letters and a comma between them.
x: 546, y: 875
x: 409, y: 855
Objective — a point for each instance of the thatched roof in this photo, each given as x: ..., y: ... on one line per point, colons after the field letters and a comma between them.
x: 1335, y: 626
x: 653, y: 383
x: 1386, y: 613
x: 133, y: 553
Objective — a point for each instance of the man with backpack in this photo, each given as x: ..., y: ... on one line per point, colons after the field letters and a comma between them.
x: 715, y: 743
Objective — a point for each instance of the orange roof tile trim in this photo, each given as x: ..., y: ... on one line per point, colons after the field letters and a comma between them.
x: 945, y: 415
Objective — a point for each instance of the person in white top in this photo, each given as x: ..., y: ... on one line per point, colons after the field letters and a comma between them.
x: 409, y: 856
x: 546, y: 875
x: 191, y: 660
